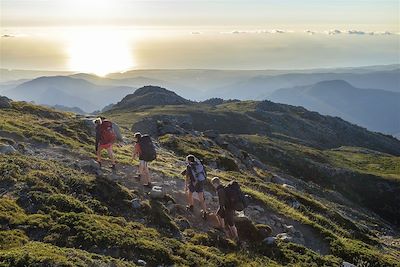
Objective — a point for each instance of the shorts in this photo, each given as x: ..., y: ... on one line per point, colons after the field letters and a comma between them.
x: 228, y: 215
x: 198, y: 188
x: 105, y: 146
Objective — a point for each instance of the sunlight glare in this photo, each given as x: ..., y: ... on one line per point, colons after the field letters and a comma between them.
x: 99, y: 52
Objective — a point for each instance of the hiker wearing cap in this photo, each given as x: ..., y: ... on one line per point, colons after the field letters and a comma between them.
x: 196, y: 176
x: 226, y: 212
x: 144, y: 149
x: 105, y: 138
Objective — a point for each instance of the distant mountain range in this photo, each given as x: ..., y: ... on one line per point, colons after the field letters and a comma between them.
x: 261, y: 86
x: 351, y: 99
x: 377, y: 110
x: 69, y: 92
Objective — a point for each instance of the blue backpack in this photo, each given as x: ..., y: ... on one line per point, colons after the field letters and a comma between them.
x: 198, y: 170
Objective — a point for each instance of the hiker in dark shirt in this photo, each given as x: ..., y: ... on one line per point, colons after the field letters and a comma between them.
x: 225, y: 213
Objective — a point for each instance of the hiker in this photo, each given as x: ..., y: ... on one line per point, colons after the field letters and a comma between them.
x: 105, y: 138
x: 195, y: 178
x: 226, y: 211
x: 144, y: 149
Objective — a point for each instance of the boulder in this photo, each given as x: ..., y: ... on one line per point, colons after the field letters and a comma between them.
x: 157, y: 192
x: 7, y: 149
x: 295, y: 204
x: 5, y: 102
x: 289, y: 229
x: 284, y: 237
x: 270, y: 240
x: 183, y: 224
x: 254, y: 211
x: 141, y: 263
x: 146, y: 126
x: 169, y: 129
x: 136, y: 204
x: 348, y: 264
x: 211, y: 134
x: 90, y: 166
x: 248, y: 231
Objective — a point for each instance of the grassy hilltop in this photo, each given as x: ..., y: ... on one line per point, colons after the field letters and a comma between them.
x: 336, y: 183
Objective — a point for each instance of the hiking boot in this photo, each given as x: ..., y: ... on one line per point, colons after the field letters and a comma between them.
x: 204, y: 215
x: 190, y: 208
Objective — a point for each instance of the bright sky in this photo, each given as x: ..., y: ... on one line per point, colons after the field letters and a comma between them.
x: 101, y: 36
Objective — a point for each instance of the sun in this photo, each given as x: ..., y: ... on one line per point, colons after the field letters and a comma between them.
x: 99, y: 52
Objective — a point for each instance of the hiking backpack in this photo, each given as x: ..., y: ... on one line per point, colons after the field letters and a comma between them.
x: 107, y: 134
x: 235, y: 197
x: 148, y: 150
x: 199, y: 172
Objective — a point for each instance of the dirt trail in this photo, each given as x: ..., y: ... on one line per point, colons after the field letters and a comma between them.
x: 126, y: 176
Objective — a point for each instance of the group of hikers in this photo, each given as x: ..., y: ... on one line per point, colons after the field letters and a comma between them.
x: 230, y: 197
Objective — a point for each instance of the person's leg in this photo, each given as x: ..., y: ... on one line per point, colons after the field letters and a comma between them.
x: 190, y: 198
x: 111, y: 155
x: 202, y: 201
x: 99, y: 149
x: 221, y: 222
x: 147, y: 172
x: 143, y: 178
x: 234, y: 232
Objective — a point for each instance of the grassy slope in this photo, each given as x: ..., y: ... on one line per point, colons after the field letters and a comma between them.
x: 55, y: 214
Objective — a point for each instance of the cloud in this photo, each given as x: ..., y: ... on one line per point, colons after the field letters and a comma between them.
x: 273, y: 31
x: 310, y: 32
x: 333, y: 32
x: 196, y: 33
x: 7, y: 36
x: 355, y: 32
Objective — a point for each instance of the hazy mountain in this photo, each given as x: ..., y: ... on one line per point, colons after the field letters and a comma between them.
x: 261, y: 86
x: 12, y: 75
x: 202, y: 84
x: 377, y: 110
x: 67, y: 91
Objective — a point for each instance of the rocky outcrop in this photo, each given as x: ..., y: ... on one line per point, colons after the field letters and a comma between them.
x: 150, y: 96
x: 159, y: 125
x: 5, y: 102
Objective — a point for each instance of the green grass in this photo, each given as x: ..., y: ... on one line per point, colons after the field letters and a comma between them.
x: 366, y: 161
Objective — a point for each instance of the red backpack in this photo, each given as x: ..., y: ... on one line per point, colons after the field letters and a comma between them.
x: 107, y: 134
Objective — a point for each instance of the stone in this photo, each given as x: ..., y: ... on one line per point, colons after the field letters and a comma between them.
x: 157, y: 192
x: 270, y: 240
x: 289, y: 229
x: 295, y: 204
x: 287, y: 186
x: 183, y: 224
x: 136, y: 203
x: 5, y: 102
x: 348, y: 264
x: 284, y: 237
x: 141, y: 263
x: 7, y: 149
